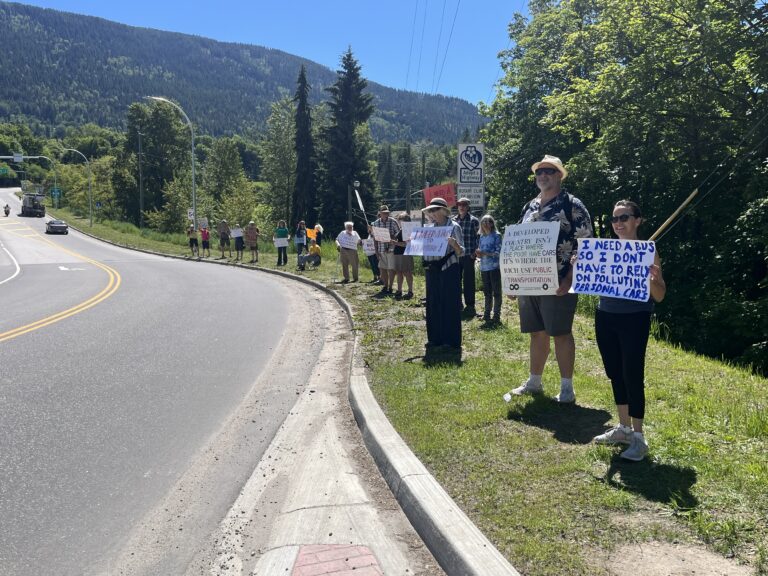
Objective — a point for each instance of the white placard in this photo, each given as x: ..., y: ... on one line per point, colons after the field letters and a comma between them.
x: 348, y: 240
x: 381, y: 234
x: 236, y: 233
x: 616, y: 268
x: 281, y: 242
x: 429, y: 241
x: 369, y: 247
x: 408, y: 227
x: 529, y: 259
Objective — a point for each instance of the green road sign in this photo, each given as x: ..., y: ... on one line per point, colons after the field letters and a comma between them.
x: 3, y: 170
x: 56, y: 192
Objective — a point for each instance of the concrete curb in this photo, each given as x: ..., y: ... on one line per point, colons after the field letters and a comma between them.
x: 455, y: 542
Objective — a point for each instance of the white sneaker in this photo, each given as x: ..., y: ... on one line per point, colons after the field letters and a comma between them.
x: 637, y: 450
x: 616, y: 435
x: 525, y: 388
x: 566, y: 396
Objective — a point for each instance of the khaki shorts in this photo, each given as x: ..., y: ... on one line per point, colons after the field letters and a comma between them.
x: 386, y: 261
x: 403, y: 263
x: 551, y: 314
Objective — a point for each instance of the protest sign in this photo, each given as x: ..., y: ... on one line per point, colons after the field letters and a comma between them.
x: 381, y: 234
x: 408, y: 227
x: 616, y: 268
x: 429, y: 241
x: 348, y: 240
x: 236, y: 232
x: 444, y: 191
x: 529, y: 259
x: 311, y: 233
x: 281, y: 242
x: 369, y: 247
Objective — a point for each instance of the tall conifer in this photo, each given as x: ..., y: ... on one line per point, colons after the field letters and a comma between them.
x: 304, y: 205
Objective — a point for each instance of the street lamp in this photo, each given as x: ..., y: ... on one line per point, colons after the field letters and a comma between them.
x: 356, y: 185
x: 192, y: 131
x: 90, y: 192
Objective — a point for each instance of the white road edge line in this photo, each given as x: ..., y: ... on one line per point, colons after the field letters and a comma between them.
x: 16, y: 262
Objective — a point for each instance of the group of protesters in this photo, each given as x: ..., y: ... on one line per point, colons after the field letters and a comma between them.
x: 622, y: 326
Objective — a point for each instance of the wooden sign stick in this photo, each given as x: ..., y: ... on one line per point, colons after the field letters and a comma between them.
x: 674, y: 215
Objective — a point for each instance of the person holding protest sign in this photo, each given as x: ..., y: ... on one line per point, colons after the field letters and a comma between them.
x: 489, y: 249
x: 443, y: 283
x: 300, y: 239
x: 403, y: 262
x: 192, y: 236
x: 205, y: 235
x: 470, y: 227
x: 252, y: 240
x: 622, y: 327
x: 281, y: 234
x: 545, y: 317
x: 224, y: 232
x: 385, y: 250
x: 346, y: 243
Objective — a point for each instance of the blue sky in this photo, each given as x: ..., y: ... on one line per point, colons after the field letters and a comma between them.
x: 399, y: 43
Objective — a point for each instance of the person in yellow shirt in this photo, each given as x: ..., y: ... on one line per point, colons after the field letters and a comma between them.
x: 313, y: 258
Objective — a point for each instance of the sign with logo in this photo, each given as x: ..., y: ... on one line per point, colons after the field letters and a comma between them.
x: 445, y: 191
x: 190, y: 214
x: 56, y: 192
x: 471, y: 173
x: 529, y: 259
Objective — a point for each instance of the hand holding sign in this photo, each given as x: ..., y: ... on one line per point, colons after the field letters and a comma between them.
x: 529, y: 259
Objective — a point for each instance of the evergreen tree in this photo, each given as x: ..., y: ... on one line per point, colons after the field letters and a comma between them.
x: 346, y: 159
x: 304, y: 194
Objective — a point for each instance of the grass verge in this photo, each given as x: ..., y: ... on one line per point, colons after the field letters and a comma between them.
x: 526, y: 472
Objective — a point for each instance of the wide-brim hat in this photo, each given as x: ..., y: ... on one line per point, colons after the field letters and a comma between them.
x: 383, y: 209
x: 463, y: 200
x: 554, y: 162
x: 437, y: 203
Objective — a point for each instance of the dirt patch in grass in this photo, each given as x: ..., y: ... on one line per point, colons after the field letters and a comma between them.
x: 666, y: 559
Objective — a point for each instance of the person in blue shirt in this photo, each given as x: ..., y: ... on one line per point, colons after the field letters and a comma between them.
x: 488, y: 250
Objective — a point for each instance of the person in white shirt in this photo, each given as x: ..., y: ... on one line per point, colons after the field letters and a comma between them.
x: 346, y: 243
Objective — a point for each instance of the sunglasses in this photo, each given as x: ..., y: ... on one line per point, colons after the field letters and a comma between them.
x: 621, y: 218
x: 547, y: 171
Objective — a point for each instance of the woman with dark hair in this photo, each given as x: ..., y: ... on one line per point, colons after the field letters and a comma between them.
x: 281, y: 232
x: 300, y: 239
x: 621, y: 329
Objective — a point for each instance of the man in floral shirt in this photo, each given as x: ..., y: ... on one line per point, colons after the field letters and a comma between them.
x: 552, y: 316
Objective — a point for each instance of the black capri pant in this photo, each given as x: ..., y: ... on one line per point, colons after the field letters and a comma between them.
x: 622, y: 339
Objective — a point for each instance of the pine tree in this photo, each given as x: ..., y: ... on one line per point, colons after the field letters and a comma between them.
x: 346, y: 159
x: 304, y: 205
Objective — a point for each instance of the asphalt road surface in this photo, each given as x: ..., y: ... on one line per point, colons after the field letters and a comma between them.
x: 117, y: 370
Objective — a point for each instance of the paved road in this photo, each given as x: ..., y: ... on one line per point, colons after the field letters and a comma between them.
x: 137, y: 365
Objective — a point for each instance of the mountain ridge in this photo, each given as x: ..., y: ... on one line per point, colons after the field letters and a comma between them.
x: 72, y: 69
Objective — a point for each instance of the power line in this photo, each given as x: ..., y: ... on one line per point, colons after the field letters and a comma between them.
x: 421, y: 44
x: 437, y: 48
x: 413, y: 35
x: 448, y: 45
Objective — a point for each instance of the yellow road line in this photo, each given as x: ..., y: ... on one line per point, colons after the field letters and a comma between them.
x: 112, y: 286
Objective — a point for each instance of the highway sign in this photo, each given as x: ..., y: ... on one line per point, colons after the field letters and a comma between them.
x: 3, y: 170
x: 56, y: 192
x: 18, y: 158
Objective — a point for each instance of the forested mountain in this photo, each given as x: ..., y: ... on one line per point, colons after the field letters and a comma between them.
x: 61, y: 69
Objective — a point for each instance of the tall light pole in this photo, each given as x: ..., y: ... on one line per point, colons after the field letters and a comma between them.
x: 90, y: 192
x: 192, y: 131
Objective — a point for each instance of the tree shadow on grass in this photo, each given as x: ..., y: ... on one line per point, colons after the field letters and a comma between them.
x: 662, y: 483
x: 569, y: 423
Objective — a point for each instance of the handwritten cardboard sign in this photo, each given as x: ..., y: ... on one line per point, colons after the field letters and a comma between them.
x: 529, y: 259
x: 369, y: 247
x: 381, y: 234
x: 616, y: 268
x: 429, y: 241
x: 281, y: 242
x: 348, y: 240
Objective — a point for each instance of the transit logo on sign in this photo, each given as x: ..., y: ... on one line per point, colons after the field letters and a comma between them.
x: 471, y: 164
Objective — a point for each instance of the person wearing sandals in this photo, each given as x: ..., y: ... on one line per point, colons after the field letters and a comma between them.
x: 489, y: 249
x: 403, y: 263
x: 621, y: 330
x: 443, y: 283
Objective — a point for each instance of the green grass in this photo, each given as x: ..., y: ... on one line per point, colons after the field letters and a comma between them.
x: 526, y: 472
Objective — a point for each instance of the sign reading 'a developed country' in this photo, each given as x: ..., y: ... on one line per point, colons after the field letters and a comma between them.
x: 529, y: 259
x: 616, y: 268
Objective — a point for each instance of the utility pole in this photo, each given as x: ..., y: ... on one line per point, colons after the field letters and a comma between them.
x: 141, y: 188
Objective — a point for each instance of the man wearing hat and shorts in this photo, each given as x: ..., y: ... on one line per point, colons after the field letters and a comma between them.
x: 470, y: 227
x: 385, y: 250
x: 545, y: 317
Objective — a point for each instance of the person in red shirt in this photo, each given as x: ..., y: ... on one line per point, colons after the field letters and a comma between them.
x: 205, y: 235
